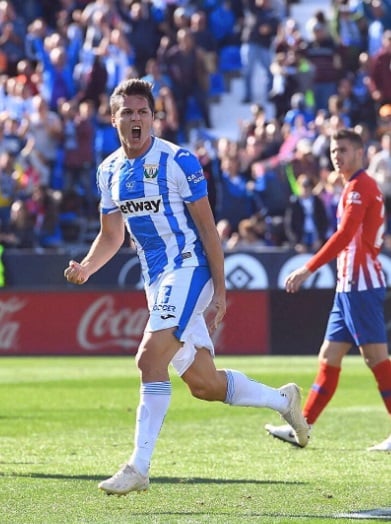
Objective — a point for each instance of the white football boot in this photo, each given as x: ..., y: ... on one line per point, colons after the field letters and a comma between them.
x: 284, y: 433
x: 383, y: 446
x: 125, y: 480
x: 297, y: 431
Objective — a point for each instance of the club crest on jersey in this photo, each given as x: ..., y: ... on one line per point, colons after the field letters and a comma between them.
x: 353, y: 198
x: 151, y: 170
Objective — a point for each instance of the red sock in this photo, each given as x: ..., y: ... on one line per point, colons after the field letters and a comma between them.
x: 382, y: 373
x: 322, y: 390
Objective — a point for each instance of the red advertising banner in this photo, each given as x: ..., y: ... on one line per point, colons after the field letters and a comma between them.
x: 108, y: 323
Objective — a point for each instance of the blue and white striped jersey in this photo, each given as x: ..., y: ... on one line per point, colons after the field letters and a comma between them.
x: 151, y: 192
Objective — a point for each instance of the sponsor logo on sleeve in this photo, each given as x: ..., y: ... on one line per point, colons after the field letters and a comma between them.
x: 353, y: 198
x: 195, y: 178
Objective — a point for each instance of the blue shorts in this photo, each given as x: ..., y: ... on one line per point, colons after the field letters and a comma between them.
x: 358, y: 317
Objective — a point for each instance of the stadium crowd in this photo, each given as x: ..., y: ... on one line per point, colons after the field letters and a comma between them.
x: 272, y: 187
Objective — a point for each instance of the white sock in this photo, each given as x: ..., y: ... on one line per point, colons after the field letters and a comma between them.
x: 243, y: 391
x: 154, y: 402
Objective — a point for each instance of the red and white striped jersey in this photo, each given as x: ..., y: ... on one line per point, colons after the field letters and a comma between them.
x: 357, y: 242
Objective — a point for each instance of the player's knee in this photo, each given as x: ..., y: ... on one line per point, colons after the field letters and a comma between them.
x: 201, y: 391
x: 144, y: 362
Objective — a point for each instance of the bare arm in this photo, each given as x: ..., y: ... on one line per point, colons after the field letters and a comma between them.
x: 203, y: 218
x: 106, y: 244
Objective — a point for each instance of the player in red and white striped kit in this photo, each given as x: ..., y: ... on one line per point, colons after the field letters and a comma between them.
x: 357, y: 315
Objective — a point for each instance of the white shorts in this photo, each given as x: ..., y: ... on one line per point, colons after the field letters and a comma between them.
x: 179, y: 299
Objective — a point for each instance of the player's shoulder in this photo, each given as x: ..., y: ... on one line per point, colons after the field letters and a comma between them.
x: 171, y: 148
x: 363, y: 180
x: 365, y: 186
x: 181, y: 156
x: 108, y: 164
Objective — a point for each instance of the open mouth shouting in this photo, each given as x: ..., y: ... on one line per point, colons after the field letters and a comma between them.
x: 134, y: 119
x: 136, y: 132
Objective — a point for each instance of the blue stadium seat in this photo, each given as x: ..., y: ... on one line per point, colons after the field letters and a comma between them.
x: 229, y: 59
x: 230, y: 64
x: 193, y: 112
x: 216, y: 85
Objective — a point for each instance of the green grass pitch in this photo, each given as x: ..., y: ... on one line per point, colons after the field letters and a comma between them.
x: 67, y: 423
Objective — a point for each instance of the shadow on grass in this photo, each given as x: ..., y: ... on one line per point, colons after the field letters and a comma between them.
x: 155, y: 480
x: 381, y: 514
x: 294, y: 517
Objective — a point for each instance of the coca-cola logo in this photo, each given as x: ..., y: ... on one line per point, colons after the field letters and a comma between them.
x: 104, y: 326
x: 9, y: 328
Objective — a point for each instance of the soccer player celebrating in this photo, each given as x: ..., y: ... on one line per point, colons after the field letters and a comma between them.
x: 158, y: 190
x: 357, y: 315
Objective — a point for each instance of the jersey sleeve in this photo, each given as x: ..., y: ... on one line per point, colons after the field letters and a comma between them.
x: 106, y: 205
x: 191, y: 178
x: 356, y: 201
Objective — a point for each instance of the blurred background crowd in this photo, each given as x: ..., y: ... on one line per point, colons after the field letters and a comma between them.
x: 271, y: 187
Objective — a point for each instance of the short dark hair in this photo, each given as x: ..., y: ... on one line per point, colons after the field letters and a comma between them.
x: 350, y: 135
x: 133, y: 86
